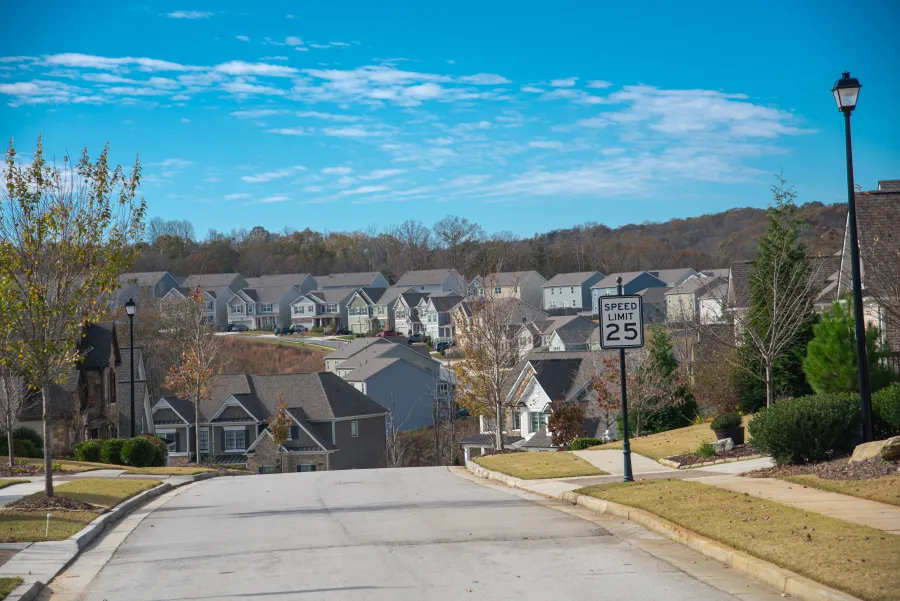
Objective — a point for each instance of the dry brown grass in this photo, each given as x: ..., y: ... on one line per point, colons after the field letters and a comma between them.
x: 885, y: 489
x: 670, y: 443
x: 856, y: 559
x: 535, y: 466
x: 256, y: 357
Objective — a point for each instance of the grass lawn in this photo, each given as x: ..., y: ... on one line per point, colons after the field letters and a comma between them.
x: 72, y: 466
x: 168, y: 471
x: 107, y: 492
x: 8, y: 585
x: 534, y: 466
x: 4, y: 483
x: 885, y: 489
x: 856, y: 559
x: 667, y: 444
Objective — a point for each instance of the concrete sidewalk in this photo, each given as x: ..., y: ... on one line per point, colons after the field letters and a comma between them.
x: 613, y: 462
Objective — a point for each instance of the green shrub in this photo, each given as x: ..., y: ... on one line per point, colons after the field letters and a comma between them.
x: 89, y: 450
x: 161, y: 458
x: 26, y: 433
x: 886, y: 412
x: 706, y: 449
x: 583, y: 443
x: 810, y: 428
x: 21, y: 462
x: 138, y: 452
x: 726, y: 421
x: 111, y: 451
x: 56, y: 467
x: 24, y: 448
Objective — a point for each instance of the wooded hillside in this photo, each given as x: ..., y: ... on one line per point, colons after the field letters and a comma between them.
x: 703, y: 242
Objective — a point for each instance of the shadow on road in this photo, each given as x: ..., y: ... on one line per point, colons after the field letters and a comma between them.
x: 504, y: 503
x: 294, y: 592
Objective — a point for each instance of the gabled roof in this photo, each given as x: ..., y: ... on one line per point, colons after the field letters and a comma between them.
x: 62, y: 398
x: 571, y: 279
x: 693, y: 285
x: 539, y: 440
x: 878, y: 219
x: 655, y: 295
x: 182, y: 408
x: 549, y: 325
x: 330, y: 296
x: 610, y: 280
x: 347, y: 280
x: 370, y: 367
x: 557, y: 377
x: 123, y: 370
x: 143, y: 279
x: 510, y: 278
x: 428, y: 277
x: 670, y: 276
x: 302, y: 420
x: 355, y: 346
x: 99, y: 340
x: 575, y: 337
x: 280, y: 280
x: 443, y: 304
x: 322, y: 395
x: 411, y: 299
x: 271, y: 294
x: 739, y: 283
x: 215, y: 281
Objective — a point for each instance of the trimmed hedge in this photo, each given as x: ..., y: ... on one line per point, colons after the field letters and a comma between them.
x: 582, y: 443
x: 886, y: 412
x: 26, y: 433
x: 804, y: 429
x: 161, y: 458
x: 726, y: 421
x: 25, y: 448
x: 138, y: 452
x: 111, y: 451
x: 89, y: 450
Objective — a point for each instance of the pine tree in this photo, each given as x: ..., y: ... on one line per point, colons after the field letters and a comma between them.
x: 830, y: 363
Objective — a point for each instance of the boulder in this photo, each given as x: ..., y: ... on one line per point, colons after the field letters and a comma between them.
x: 885, y: 449
x: 726, y: 444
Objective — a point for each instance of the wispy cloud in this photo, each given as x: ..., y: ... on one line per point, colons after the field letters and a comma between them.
x: 291, y: 131
x: 564, y: 83
x: 328, y: 116
x: 242, y: 38
x: 364, y: 190
x: 271, y: 175
x: 257, y: 113
x: 238, y: 196
x: 381, y: 174
x: 545, y: 144
x: 272, y: 199
x: 599, y: 84
x: 343, y: 170
x: 259, y: 69
x: 189, y: 14
x: 350, y: 132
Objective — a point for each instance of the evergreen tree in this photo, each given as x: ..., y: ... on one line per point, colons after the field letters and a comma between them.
x: 830, y: 363
x: 662, y: 361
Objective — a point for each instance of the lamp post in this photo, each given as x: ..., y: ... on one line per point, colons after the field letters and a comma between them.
x: 130, y: 308
x: 846, y: 93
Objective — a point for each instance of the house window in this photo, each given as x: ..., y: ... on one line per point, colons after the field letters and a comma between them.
x: 237, y: 308
x: 267, y: 308
x: 442, y: 388
x: 332, y: 308
x: 171, y: 438
x: 235, y: 440
x: 609, y: 291
x: 552, y: 291
x: 535, y: 421
x: 498, y: 290
x: 306, y: 467
x: 553, y: 304
x: 204, y: 440
x: 517, y: 420
x: 574, y: 304
x: 354, y: 428
x: 299, y: 309
x: 572, y: 289
x: 250, y: 309
x: 111, y: 382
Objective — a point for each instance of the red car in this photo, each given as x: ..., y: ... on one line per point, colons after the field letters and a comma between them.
x: 387, y: 333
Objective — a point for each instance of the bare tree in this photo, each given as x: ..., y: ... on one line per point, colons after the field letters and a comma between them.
x: 416, y: 240
x: 14, y: 401
x: 67, y: 234
x: 398, y: 444
x: 455, y: 234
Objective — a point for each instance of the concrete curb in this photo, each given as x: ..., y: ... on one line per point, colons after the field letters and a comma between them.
x: 668, y: 463
x: 30, y: 589
x: 782, y: 580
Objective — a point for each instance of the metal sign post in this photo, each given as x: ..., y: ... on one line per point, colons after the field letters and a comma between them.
x: 622, y: 327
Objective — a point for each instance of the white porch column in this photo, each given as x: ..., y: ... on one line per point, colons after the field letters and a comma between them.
x: 467, y: 453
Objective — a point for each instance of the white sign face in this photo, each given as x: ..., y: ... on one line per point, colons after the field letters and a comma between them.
x: 621, y: 322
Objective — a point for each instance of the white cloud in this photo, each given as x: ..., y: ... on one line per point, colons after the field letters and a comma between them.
x: 594, y: 122
x: 545, y: 144
x: 272, y: 199
x: 174, y: 163
x: 258, y: 69
x: 244, y: 88
x: 257, y: 113
x: 424, y: 91
x: 337, y: 170
x: 327, y: 116
x: 531, y: 90
x: 381, y: 174
x: 364, y: 190
x: 564, y: 83
x: 242, y: 38
x: 87, y: 61
x: 189, y: 14
x: 274, y: 58
x: 484, y: 79
x: 293, y: 41
x: 134, y: 91
x: 440, y: 141
x: 291, y: 131
x: 270, y: 175
x: 350, y: 132
x: 185, y: 120
x: 599, y: 84
x: 238, y: 196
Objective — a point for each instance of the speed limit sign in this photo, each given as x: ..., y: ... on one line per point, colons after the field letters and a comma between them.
x: 621, y: 322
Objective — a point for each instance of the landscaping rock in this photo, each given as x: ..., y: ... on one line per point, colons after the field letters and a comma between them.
x: 871, y: 450
x: 891, y: 449
x: 724, y: 445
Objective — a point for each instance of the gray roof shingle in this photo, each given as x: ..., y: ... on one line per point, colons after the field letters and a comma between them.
x: 571, y: 279
x: 99, y: 340
x: 280, y: 280
x: 428, y: 277
x: 214, y: 281
x: 347, y: 280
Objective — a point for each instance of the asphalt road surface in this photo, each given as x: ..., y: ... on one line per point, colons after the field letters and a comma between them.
x: 403, y: 534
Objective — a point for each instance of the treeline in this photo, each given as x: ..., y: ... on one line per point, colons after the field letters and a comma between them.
x: 704, y: 242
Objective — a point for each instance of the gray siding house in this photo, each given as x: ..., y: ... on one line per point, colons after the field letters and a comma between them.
x: 433, y: 280
x: 436, y: 315
x: 407, y: 320
x: 522, y: 285
x: 148, y: 284
x: 262, y: 308
x: 322, y: 308
x: 632, y: 283
x: 216, y: 302
x: 368, y: 279
x: 570, y: 290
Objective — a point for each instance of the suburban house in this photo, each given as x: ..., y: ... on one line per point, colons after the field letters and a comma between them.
x: 632, y: 283
x: 436, y: 315
x: 322, y: 308
x: 87, y: 403
x: 147, y: 284
x: 303, y: 281
x: 523, y: 285
x: 538, y: 333
x: 673, y: 277
x: 878, y: 227
x: 369, y: 279
x: 143, y: 422
x: 542, y: 379
x: 214, y: 281
x: 262, y: 308
x: 682, y: 302
x: 372, y: 309
x: 433, y: 280
x: 574, y: 340
x: 407, y: 320
x: 334, y: 359
x: 570, y: 291
x: 475, y: 286
x: 711, y: 303
x: 216, y: 307
x: 334, y: 426
x: 653, y: 303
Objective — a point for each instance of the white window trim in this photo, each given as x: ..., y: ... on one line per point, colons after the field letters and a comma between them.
x: 235, y: 429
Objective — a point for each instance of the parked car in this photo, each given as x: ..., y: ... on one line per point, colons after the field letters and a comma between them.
x: 238, y: 327
x: 343, y: 332
x: 277, y: 331
x: 298, y: 329
x: 416, y: 338
x: 442, y: 346
x: 387, y: 333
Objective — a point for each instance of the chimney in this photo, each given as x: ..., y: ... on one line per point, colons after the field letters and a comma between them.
x: 889, y: 185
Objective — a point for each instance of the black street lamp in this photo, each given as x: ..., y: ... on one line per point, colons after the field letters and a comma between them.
x: 130, y: 308
x: 846, y: 93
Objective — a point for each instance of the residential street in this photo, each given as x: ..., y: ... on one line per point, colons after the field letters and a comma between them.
x: 421, y: 533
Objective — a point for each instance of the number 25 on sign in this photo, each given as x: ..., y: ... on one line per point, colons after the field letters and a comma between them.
x: 621, y: 322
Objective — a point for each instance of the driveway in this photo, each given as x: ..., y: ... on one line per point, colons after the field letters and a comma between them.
x: 402, y: 534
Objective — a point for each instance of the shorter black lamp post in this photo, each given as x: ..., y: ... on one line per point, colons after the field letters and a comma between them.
x: 130, y: 309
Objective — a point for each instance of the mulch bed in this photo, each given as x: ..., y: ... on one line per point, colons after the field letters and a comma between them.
x: 837, y: 469
x: 28, y: 470
x: 688, y: 459
x: 42, y: 503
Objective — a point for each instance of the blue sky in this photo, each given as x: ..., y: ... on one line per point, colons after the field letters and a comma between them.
x: 523, y: 116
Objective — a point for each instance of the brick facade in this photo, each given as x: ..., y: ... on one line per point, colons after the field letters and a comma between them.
x: 265, y: 455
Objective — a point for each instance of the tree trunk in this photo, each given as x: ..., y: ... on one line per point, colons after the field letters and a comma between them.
x: 48, y: 441
x: 9, y: 440
x: 637, y: 426
x: 498, y: 426
x: 770, y: 386
x: 197, y: 425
